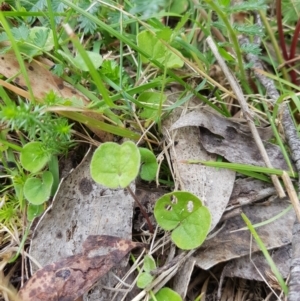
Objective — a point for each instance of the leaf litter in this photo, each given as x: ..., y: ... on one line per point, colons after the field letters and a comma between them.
x: 81, y: 208
x: 203, y: 181
x: 222, y: 139
x: 214, y: 134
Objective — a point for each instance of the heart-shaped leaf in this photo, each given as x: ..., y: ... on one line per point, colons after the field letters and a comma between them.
x: 36, y: 191
x: 115, y: 165
x: 183, y: 213
x: 149, y: 164
x: 34, y: 211
x: 34, y: 157
x: 144, y: 280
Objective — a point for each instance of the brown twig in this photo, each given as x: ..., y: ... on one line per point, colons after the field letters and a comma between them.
x: 142, y: 209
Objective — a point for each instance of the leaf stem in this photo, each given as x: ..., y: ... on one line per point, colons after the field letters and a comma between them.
x: 142, y: 209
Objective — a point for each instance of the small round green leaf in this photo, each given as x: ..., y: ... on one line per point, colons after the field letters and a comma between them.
x: 149, y: 164
x: 166, y: 294
x: 34, y: 211
x: 149, y: 263
x: 115, y: 165
x: 36, y: 191
x: 144, y: 280
x: 179, y: 6
x: 183, y: 213
x: 33, y: 157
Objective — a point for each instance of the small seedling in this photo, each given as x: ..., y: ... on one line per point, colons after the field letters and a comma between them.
x: 115, y: 165
x: 145, y: 278
x: 78, y: 61
x: 149, y: 103
x: 34, y: 211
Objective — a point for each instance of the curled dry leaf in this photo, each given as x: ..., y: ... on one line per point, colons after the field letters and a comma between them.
x: 228, y: 243
x: 71, y: 277
x: 230, y: 139
x: 258, y: 266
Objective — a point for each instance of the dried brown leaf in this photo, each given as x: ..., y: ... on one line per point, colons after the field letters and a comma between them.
x: 71, y: 277
x: 230, y: 139
x: 43, y: 81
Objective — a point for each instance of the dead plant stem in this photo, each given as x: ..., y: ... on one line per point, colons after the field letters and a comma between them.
x: 142, y: 209
x: 248, y: 116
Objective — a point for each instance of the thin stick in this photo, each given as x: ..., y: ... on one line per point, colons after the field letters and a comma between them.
x: 292, y: 193
x: 142, y: 209
x: 242, y: 101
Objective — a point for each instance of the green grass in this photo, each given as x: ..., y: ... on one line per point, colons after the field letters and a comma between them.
x: 75, y: 39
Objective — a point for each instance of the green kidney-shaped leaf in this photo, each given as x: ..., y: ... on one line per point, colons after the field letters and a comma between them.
x: 144, y: 280
x: 157, y: 50
x: 33, y: 157
x: 115, y: 165
x: 166, y: 294
x: 179, y: 6
x: 38, y: 191
x: 183, y: 213
x: 34, y: 211
x: 149, y: 164
x: 149, y: 263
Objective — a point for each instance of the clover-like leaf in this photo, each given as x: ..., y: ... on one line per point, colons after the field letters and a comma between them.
x: 149, y: 164
x: 183, y: 213
x: 96, y: 59
x: 34, y: 157
x: 115, y: 165
x: 38, y: 191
